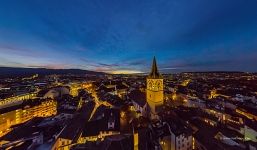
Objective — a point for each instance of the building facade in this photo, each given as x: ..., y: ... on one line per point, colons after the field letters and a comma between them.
x: 19, y: 114
x: 16, y: 100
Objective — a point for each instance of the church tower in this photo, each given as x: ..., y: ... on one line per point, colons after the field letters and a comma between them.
x: 154, y: 91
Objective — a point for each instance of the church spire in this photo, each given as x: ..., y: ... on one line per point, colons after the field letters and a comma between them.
x: 154, y: 72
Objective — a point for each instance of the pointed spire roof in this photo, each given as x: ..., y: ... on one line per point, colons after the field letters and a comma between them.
x: 154, y: 72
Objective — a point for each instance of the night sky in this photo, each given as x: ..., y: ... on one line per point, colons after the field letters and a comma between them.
x: 123, y: 36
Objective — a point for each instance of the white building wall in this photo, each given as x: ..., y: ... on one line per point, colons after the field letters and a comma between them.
x: 183, y: 142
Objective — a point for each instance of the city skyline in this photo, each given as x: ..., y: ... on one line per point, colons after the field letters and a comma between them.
x: 123, y: 36
x: 128, y: 75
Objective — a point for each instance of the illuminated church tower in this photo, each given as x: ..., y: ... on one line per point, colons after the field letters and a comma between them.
x: 154, y: 91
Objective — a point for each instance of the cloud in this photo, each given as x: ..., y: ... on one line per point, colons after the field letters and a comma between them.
x: 84, y: 60
x: 5, y: 62
x: 126, y: 72
x: 108, y: 65
x: 51, y: 66
x: 98, y: 64
x: 19, y: 50
x: 102, y: 69
x: 138, y: 62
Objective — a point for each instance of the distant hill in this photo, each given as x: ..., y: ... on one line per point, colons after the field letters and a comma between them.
x: 9, y: 71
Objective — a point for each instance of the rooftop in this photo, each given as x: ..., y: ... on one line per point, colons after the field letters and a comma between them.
x: 93, y: 128
x: 138, y: 96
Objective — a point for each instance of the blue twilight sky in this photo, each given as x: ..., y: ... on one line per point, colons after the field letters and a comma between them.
x: 124, y: 35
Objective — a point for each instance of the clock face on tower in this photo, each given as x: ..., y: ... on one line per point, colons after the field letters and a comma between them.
x: 158, y: 84
x: 149, y: 84
x: 155, y: 84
